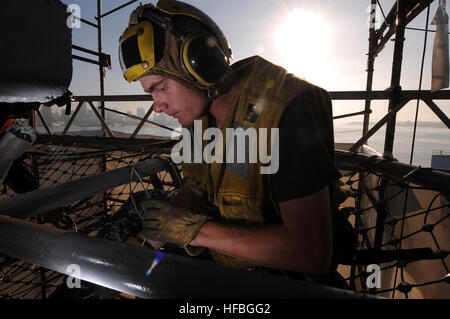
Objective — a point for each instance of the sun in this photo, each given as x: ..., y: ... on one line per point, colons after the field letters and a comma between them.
x: 302, y: 41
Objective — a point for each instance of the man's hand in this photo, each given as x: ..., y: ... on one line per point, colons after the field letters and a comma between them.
x: 166, y: 222
x: 191, y: 198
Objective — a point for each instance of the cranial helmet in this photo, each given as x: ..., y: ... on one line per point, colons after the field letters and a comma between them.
x: 176, y: 40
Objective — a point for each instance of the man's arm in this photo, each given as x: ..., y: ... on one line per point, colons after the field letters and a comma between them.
x: 303, y: 242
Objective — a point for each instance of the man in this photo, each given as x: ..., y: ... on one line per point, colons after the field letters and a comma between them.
x: 279, y: 221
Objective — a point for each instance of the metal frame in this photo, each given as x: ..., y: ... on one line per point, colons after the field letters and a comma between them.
x: 103, y: 60
x: 403, y: 12
x: 400, y: 15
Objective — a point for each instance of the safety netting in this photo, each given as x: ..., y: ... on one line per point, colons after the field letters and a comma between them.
x: 402, y: 232
x: 401, y: 228
x: 56, y: 160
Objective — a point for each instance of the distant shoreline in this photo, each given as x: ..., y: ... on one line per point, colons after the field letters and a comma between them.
x: 436, y: 124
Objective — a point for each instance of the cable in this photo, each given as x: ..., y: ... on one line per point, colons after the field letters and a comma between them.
x: 420, y: 86
x: 382, y: 12
x: 414, y: 136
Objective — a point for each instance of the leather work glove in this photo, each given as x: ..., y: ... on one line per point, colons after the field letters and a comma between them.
x: 189, y: 197
x: 166, y: 222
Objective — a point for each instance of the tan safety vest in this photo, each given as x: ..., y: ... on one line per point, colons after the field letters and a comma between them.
x: 242, y: 194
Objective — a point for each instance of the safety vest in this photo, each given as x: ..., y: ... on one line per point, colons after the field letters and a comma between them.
x: 242, y: 194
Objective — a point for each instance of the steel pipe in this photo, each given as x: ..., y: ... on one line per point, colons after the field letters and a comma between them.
x: 391, y: 114
x: 123, y: 267
x: 335, y: 95
x: 40, y: 201
x: 108, y: 143
x: 386, y: 95
x: 426, y: 177
x: 81, y: 58
x: 337, y: 117
x: 413, y: 9
x: 76, y: 47
x: 114, y: 98
x: 86, y: 21
x: 137, y: 118
x: 439, y: 113
x: 370, y: 66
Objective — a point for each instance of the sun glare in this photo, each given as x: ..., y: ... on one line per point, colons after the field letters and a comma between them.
x: 302, y: 40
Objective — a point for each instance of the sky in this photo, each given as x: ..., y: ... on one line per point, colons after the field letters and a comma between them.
x: 322, y: 41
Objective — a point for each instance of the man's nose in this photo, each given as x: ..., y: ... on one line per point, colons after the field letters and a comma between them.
x: 159, y: 107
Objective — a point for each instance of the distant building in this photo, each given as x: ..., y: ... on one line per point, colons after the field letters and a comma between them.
x: 441, y: 160
x: 46, y: 112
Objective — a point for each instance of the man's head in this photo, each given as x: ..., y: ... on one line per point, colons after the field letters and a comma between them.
x: 180, y: 43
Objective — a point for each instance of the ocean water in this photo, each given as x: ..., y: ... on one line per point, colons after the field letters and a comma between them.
x: 428, y: 138
x: 146, y: 129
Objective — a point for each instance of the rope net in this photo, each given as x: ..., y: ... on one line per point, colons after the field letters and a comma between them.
x: 71, y: 159
x: 422, y: 223
x: 409, y: 244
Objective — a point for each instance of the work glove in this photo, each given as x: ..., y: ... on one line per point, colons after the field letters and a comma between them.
x: 166, y: 222
x: 190, y: 198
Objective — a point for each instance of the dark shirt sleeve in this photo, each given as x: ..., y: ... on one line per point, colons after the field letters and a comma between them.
x: 305, y: 164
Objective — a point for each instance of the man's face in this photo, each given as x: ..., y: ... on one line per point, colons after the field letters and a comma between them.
x: 174, y: 99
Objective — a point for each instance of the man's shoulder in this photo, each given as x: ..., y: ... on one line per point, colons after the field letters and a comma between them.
x: 268, y: 82
x: 261, y: 68
x: 256, y: 64
x: 256, y: 59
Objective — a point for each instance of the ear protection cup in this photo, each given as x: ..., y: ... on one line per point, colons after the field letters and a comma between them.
x: 203, y: 58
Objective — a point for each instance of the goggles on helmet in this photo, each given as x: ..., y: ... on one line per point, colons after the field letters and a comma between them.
x: 137, y: 50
